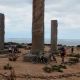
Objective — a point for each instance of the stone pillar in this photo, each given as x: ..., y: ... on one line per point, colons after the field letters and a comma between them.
x: 38, y: 26
x: 1, y: 31
x: 54, y: 25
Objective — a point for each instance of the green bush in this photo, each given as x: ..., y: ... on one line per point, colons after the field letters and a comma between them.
x: 54, y: 68
x: 73, y: 60
x: 47, y: 69
x: 7, y: 67
x: 10, y: 59
x: 77, y: 55
x: 63, y: 66
x: 57, y: 68
x: 74, y: 55
x: 13, y: 58
x: 19, y: 46
x: 60, y: 70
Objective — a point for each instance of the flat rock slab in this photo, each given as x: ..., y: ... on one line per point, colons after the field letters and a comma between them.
x: 28, y: 57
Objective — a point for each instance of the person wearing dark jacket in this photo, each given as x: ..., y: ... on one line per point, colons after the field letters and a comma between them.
x: 63, y: 53
x: 72, y: 49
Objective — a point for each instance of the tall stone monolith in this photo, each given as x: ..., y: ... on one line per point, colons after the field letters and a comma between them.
x: 38, y: 26
x: 54, y: 25
x: 2, y: 31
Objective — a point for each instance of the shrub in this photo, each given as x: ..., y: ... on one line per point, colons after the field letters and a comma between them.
x: 74, y: 55
x: 54, y: 68
x: 63, y: 66
x: 73, y: 60
x: 12, y: 59
x: 77, y: 55
x: 7, y: 67
x: 60, y: 70
x: 19, y: 46
x: 57, y: 68
x: 47, y: 69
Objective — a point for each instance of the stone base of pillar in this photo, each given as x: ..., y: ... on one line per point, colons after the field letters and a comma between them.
x: 34, y: 58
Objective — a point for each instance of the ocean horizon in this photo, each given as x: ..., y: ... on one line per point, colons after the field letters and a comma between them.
x: 68, y: 42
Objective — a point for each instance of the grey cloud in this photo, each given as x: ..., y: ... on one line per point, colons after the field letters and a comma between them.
x: 15, y: 3
x: 63, y: 10
x: 63, y: 6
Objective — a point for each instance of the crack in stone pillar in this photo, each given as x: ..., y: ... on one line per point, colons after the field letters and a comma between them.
x: 38, y: 26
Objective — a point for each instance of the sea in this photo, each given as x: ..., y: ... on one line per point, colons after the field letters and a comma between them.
x: 68, y: 42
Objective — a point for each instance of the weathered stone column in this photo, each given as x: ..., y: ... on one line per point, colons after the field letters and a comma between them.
x: 54, y: 25
x: 38, y: 26
x: 1, y: 31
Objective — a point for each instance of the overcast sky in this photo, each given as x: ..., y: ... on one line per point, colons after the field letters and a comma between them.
x: 18, y: 18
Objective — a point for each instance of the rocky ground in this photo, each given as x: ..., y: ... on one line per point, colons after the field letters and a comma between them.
x: 22, y: 69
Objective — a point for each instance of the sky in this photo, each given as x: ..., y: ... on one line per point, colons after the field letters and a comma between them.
x: 18, y: 18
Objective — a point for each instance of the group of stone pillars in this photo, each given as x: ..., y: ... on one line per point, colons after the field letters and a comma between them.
x: 38, y: 28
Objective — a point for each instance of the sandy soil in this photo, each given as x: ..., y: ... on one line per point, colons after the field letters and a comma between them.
x: 21, y: 67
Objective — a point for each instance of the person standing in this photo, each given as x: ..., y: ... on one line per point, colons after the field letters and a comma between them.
x: 72, y: 49
x: 63, y: 53
x: 10, y: 49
